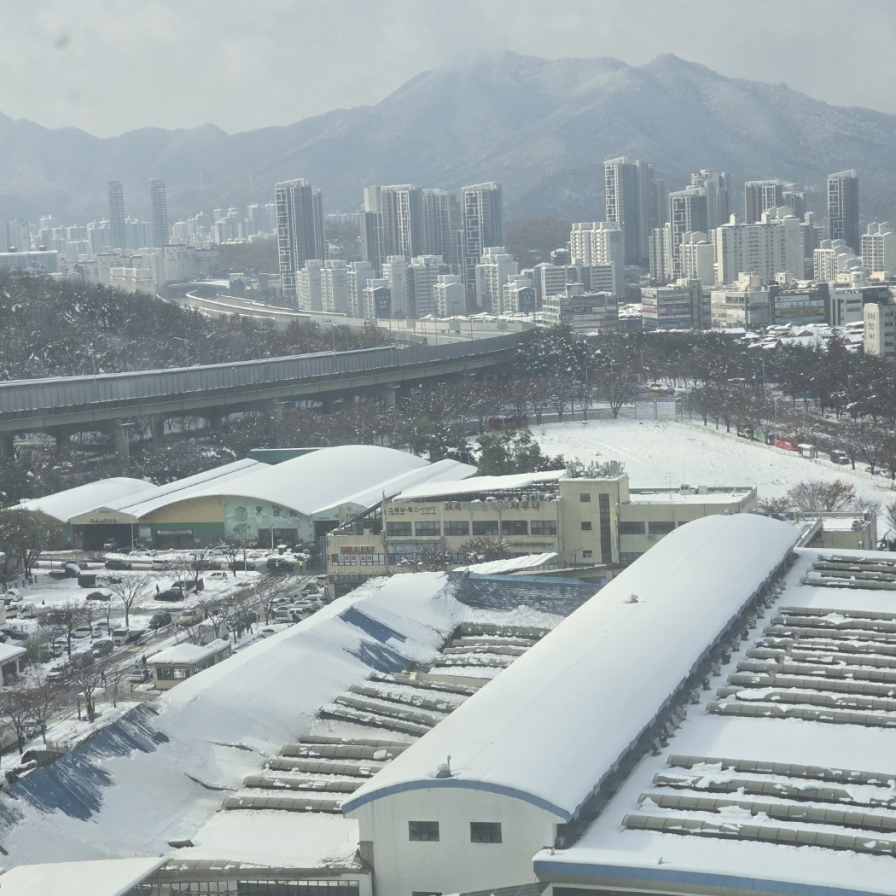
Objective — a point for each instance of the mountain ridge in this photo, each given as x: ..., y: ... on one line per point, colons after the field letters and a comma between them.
x: 542, y: 127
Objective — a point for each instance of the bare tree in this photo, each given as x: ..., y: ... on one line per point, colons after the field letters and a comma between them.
x: 232, y: 549
x: 15, y: 709
x: 129, y: 589
x: 71, y: 615
x: 44, y: 698
x: 87, y: 679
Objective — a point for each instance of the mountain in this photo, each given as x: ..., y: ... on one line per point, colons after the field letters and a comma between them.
x: 542, y: 127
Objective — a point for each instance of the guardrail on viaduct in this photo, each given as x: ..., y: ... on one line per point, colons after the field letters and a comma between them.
x: 53, y: 403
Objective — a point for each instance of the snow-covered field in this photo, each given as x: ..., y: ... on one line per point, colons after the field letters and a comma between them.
x: 665, y: 454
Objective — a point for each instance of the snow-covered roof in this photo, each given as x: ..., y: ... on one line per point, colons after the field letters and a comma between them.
x: 187, y: 654
x: 552, y: 726
x: 110, y: 877
x: 785, y: 746
x: 511, y: 564
x: 321, y: 479
x: 160, y: 773
x: 480, y: 484
x: 84, y: 498
x: 443, y: 471
x: 182, y: 489
x: 10, y: 651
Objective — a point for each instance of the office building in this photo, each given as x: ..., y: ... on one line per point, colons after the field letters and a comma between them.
x: 357, y: 276
x: 879, y: 248
x: 772, y: 245
x: 159, y: 205
x: 678, y: 306
x: 843, y: 208
x: 377, y: 299
x: 718, y: 188
x: 300, y: 230
x: 744, y: 305
x: 601, y: 242
x: 549, y: 279
x: 422, y: 275
x: 482, y: 207
x: 799, y: 305
x: 117, y: 233
x: 371, y: 221
x: 449, y: 296
x: 628, y: 205
x: 582, y: 311
x: 761, y: 195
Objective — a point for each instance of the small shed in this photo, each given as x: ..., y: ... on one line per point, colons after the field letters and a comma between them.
x: 10, y: 658
x: 178, y: 663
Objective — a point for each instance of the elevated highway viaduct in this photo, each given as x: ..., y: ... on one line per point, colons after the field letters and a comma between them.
x: 65, y: 405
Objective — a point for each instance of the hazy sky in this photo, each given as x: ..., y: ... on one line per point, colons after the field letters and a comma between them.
x: 109, y: 66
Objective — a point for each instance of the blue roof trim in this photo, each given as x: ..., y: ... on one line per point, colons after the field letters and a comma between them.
x: 351, y: 804
x: 548, y: 868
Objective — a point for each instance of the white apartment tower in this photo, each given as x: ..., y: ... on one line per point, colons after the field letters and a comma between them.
x: 600, y: 243
x: 334, y: 286
x: 879, y: 248
x: 309, y: 286
x: 696, y: 258
x: 422, y: 276
x: 767, y: 248
x: 300, y: 230
x: 450, y: 296
x: 395, y: 273
x: 495, y: 268
x: 357, y: 275
x: 482, y: 206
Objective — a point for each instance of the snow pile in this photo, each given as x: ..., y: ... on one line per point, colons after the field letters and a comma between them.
x: 511, y: 564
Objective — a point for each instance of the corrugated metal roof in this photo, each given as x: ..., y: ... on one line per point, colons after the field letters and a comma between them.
x: 84, y: 498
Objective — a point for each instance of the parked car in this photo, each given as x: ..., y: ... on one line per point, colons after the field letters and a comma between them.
x: 160, y: 620
x: 174, y: 595
x: 205, y: 563
x: 280, y: 564
x: 50, y: 617
x: 27, y: 611
x: 110, y: 544
x: 102, y: 647
x: 190, y: 616
x: 81, y: 659
x: 120, y: 636
x: 12, y: 611
x: 101, y: 629
x: 115, y: 563
x: 58, y: 672
x: 99, y: 595
x: 82, y: 631
x: 14, y: 633
x: 60, y: 646
x: 140, y: 676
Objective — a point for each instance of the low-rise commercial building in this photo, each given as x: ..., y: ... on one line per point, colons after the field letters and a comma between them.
x: 581, y: 311
x: 590, y: 517
x: 745, y: 304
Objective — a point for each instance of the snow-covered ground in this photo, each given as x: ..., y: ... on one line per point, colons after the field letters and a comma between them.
x: 666, y: 454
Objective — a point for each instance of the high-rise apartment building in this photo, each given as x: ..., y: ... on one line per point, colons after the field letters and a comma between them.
x: 377, y: 299
x: 482, y: 206
x: 688, y: 212
x: 395, y: 273
x: 773, y: 245
x: 843, y: 208
x: 402, y: 210
x: 718, y: 188
x: 442, y: 227
x: 495, y: 268
x: 117, y: 231
x: 761, y: 195
x: 879, y: 248
x: 550, y: 279
x: 422, y: 275
x: 450, y: 296
x: 880, y: 328
x: 600, y: 242
x: 518, y: 295
x: 359, y: 272
x: 159, y: 204
x: 696, y: 258
x: 309, y: 286
x: 300, y: 230
x: 334, y: 286
x: 628, y: 191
